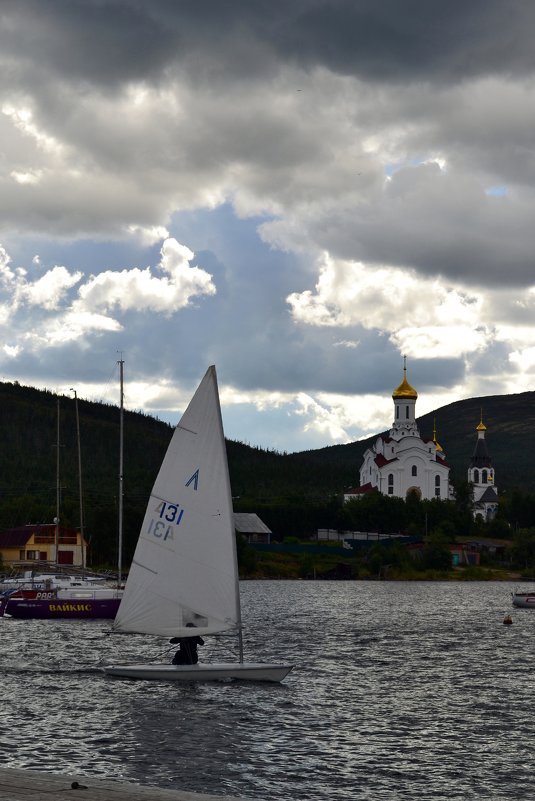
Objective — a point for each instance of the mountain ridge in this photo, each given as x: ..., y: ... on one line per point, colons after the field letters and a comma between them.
x: 28, y: 434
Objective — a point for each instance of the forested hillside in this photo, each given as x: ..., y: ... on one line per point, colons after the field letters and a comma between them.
x: 291, y: 491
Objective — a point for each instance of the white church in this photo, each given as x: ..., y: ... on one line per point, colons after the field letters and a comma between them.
x: 402, y: 462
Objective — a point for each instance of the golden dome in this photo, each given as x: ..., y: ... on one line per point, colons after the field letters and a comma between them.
x: 481, y: 426
x: 405, y: 390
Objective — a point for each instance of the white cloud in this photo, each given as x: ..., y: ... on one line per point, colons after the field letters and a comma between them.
x: 26, y: 177
x: 440, y: 341
x: 74, y: 326
x: 449, y: 320
x: 149, y: 235
x: 140, y: 290
x: 43, y: 313
x: 48, y: 291
x: 12, y: 351
x: 524, y: 359
x: 23, y: 119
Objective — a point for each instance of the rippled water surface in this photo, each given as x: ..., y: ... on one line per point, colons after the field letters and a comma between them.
x: 400, y: 691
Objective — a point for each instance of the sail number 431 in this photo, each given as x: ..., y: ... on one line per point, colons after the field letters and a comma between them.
x: 169, y: 515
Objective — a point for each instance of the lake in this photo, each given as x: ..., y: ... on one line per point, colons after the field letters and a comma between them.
x: 401, y: 690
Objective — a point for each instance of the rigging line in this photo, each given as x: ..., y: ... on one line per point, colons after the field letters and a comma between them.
x: 112, y: 378
x: 189, y: 430
x: 138, y: 564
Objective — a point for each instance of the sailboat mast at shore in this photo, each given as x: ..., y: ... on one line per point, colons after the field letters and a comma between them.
x: 121, y: 475
x: 80, y: 483
x: 58, y: 490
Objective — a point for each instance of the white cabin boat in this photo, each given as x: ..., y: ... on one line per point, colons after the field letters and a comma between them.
x: 523, y: 600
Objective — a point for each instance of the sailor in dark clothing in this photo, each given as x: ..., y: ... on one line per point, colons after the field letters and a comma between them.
x: 187, y: 652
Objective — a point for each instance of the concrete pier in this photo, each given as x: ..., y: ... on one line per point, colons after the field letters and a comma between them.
x: 32, y: 785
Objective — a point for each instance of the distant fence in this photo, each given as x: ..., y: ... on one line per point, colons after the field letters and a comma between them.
x: 351, y: 546
x: 335, y: 535
x: 300, y: 548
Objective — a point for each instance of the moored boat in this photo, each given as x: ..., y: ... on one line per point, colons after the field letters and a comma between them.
x: 82, y: 602
x: 49, y: 595
x: 523, y: 600
x: 57, y: 595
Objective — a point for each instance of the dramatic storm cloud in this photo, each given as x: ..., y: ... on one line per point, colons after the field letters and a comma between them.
x: 300, y: 192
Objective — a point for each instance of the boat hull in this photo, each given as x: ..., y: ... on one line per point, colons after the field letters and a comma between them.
x: 524, y: 600
x: 237, y: 671
x: 53, y: 608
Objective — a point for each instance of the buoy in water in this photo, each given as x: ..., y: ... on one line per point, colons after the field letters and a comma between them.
x: 507, y: 620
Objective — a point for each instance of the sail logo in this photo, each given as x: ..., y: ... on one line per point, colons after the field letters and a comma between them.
x: 194, y: 480
x: 170, y: 515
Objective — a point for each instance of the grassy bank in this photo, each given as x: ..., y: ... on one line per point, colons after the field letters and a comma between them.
x: 310, y: 567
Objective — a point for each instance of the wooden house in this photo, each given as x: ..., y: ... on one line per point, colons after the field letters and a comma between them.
x: 252, y: 528
x: 41, y: 543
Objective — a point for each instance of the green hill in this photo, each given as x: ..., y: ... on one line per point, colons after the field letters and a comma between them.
x: 291, y: 482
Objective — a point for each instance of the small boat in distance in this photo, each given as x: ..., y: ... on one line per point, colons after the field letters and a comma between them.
x: 183, y: 581
x: 523, y: 600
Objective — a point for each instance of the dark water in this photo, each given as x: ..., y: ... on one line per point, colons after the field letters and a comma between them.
x: 400, y: 691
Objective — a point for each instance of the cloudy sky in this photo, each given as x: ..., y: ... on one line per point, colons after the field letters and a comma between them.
x: 297, y: 191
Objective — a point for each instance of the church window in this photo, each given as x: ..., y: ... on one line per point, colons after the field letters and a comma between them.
x: 476, y: 476
x: 414, y: 470
x: 483, y: 476
x: 437, y: 486
x: 390, y: 483
x: 407, y: 412
x: 397, y: 412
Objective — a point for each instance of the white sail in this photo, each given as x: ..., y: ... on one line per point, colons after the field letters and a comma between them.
x: 184, y: 569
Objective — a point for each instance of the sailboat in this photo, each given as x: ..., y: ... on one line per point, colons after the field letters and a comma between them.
x: 183, y: 581
x: 53, y: 595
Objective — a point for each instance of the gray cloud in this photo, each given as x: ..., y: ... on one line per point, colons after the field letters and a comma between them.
x: 110, y: 42
x: 398, y: 135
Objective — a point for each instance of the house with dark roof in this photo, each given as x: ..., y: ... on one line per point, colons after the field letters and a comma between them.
x: 252, y: 528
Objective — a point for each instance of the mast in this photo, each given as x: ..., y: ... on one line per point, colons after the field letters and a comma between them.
x: 231, y: 508
x: 56, y: 519
x: 79, y: 477
x: 120, y: 536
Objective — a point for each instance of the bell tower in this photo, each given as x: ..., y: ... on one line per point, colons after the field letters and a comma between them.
x: 480, y: 472
x: 404, y: 398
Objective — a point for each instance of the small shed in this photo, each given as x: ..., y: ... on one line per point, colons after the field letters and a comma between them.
x: 252, y: 528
